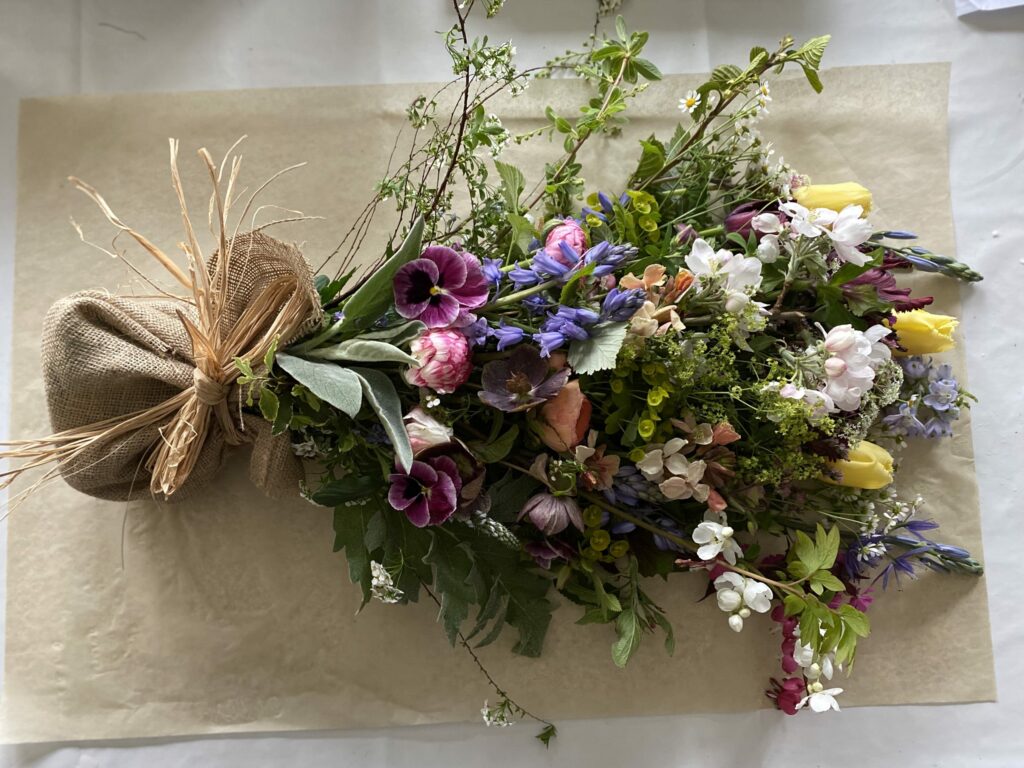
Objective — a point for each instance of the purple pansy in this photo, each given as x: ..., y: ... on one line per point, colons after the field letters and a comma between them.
x: 520, y: 381
x: 428, y: 493
x: 438, y: 285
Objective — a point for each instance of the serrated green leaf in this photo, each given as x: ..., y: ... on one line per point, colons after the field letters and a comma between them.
x: 350, y: 535
x: 512, y: 184
x: 363, y: 351
x: 828, y: 546
x: 627, y: 628
x: 372, y: 298
x: 723, y: 75
x: 600, y: 351
x: 652, y: 159
x: 806, y: 552
x: 827, y: 580
x: 812, y: 51
x: 857, y: 622
x: 452, y: 566
x: 793, y: 605
x: 330, y: 382
x: 757, y: 53
x: 381, y: 395
x: 547, y: 734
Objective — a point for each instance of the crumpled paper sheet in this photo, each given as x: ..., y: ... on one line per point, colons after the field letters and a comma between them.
x: 234, y: 615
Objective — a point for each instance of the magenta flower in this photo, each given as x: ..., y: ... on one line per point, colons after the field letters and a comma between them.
x: 444, y: 359
x: 438, y: 285
x: 428, y: 493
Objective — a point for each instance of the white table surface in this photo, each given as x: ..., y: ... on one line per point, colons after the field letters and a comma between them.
x: 55, y: 47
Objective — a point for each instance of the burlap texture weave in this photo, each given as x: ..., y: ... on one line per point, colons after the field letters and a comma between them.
x: 107, y: 357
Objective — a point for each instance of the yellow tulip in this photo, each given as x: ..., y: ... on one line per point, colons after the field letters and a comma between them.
x: 833, y: 196
x: 923, y: 333
x: 867, y: 466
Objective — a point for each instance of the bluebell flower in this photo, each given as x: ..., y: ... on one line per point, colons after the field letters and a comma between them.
x: 536, y: 304
x: 562, y: 266
x: 523, y: 277
x: 507, y: 335
x: 492, y: 270
x: 476, y: 332
x: 620, y: 306
x: 669, y: 526
x: 608, y: 257
x: 925, y: 265
x: 899, y: 234
x: 549, y: 341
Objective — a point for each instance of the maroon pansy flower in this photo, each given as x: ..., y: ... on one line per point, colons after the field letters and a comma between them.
x: 428, y: 493
x: 438, y: 285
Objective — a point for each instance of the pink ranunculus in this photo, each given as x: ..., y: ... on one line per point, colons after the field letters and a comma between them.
x: 570, y: 233
x: 564, y: 419
x: 444, y: 360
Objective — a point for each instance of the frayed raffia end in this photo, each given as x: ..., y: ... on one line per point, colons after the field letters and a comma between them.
x: 239, y: 302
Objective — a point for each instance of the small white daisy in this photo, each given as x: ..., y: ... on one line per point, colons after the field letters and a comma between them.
x: 689, y: 102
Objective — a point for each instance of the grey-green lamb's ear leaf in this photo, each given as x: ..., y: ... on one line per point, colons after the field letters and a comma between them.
x: 383, y: 398
x: 397, y: 334
x: 372, y: 299
x: 364, y: 351
x: 328, y: 381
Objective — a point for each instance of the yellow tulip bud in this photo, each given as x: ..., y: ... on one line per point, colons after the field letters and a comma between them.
x: 833, y: 196
x: 867, y: 466
x: 923, y: 333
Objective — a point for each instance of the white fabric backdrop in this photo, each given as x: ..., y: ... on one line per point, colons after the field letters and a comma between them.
x: 49, y: 47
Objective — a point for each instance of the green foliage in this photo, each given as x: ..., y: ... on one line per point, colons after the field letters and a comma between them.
x: 374, y: 295
x: 600, y: 351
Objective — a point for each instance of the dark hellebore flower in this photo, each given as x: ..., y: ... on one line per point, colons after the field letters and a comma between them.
x: 521, y: 381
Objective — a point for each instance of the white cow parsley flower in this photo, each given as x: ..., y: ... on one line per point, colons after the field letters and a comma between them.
x: 381, y: 585
x: 715, y: 538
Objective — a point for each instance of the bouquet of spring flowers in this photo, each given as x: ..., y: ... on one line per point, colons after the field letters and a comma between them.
x: 543, y: 388
x: 708, y: 371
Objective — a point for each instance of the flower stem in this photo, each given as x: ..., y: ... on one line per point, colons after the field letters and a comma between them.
x: 518, y: 296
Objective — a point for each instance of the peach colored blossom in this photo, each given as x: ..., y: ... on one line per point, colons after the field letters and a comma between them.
x: 565, y: 418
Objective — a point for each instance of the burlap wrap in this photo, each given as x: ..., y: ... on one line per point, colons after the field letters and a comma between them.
x: 107, y: 357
